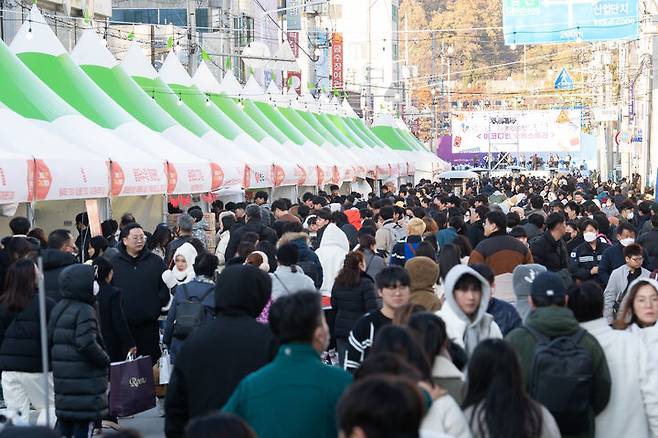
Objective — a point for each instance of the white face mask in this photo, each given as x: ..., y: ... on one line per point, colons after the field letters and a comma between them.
x: 627, y: 241
x: 589, y: 237
x: 97, y: 288
x: 630, y: 215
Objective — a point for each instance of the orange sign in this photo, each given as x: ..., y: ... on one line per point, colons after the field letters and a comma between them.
x: 172, y: 177
x: 337, y: 60
x: 217, y: 176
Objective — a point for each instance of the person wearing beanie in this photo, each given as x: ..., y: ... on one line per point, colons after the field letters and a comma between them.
x: 289, y: 278
x: 405, y: 249
x: 522, y: 278
x: 551, y: 319
x: 233, y: 342
x: 424, y: 273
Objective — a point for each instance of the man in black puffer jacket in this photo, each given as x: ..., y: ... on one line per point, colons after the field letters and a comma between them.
x: 79, y: 361
x: 254, y: 224
x: 138, y: 274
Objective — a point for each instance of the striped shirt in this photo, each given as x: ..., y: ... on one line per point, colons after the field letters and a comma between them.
x: 362, y: 337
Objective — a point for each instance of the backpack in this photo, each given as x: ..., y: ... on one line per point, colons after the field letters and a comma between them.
x: 410, y: 250
x: 561, y: 379
x: 190, y: 314
x: 397, y: 233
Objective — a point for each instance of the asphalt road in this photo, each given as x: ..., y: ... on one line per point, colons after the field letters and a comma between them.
x: 148, y: 423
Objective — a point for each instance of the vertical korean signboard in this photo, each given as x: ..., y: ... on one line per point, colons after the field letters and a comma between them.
x: 337, y: 61
x: 293, y: 40
x: 293, y: 15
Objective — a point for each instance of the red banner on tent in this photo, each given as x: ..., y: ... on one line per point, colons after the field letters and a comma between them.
x: 337, y: 60
x: 293, y: 40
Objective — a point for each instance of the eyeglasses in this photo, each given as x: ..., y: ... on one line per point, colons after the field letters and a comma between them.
x: 138, y: 238
x: 637, y: 259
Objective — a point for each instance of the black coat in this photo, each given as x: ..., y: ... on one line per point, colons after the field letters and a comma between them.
x: 217, y: 356
x: 351, y: 303
x: 613, y: 258
x: 54, y: 262
x: 584, y: 258
x: 550, y: 252
x: 114, y: 327
x: 649, y: 242
x: 476, y: 233
x: 140, y: 281
x: 264, y: 232
x: 79, y: 361
x: 20, y: 337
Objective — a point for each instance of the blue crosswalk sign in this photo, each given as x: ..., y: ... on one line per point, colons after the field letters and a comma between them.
x: 564, y: 81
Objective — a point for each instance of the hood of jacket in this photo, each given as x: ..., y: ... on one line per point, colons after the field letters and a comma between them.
x: 189, y: 253
x: 293, y: 238
x: 449, y: 289
x: 354, y: 217
x: 242, y: 290
x: 553, y: 321
x: 423, y: 272
x: 334, y: 236
x: 55, y: 258
x: 77, y: 283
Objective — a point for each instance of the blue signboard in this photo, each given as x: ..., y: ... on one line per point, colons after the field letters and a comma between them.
x: 293, y: 15
x: 563, y: 80
x: 563, y: 21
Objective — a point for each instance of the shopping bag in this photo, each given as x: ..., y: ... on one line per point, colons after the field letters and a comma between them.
x: 132, y: 388
x: 165, y: 367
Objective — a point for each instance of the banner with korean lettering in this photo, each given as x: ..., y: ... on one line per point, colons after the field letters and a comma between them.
x: 337, y: 61
x: 293, y: 15
x: 516, y: 131
x: 293, y: 40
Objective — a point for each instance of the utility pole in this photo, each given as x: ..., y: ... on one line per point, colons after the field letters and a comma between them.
x: 369, y: 100
x: 407, y: 94
x: 433, y: 132
x: 191, y: 36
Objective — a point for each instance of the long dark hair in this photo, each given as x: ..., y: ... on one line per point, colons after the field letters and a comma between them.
x: 495, y: 392
x: 160, y: 237
x: 449, y: 257
x: 431, y: 332
x: 20, y: 285
x: 401, y: 341
x: 350, y: 273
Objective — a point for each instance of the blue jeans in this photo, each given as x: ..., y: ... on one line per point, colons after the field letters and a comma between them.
x: 75, y: 429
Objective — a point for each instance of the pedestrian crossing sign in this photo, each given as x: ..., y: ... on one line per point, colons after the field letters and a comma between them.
x: 563, y: 80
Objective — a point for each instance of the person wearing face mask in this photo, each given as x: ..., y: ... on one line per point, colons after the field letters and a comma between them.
x: 271, y: 396
x: 573, y: 236
x: 79, y: 361
x: 628, y: 212
x: 613, y: 257
x: 585, y: 258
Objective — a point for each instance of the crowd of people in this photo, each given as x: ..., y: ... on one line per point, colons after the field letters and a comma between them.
x: 524, y: 307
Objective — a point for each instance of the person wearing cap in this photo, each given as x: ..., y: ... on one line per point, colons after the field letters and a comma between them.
x: 551, y: 318
x: 522, y: 279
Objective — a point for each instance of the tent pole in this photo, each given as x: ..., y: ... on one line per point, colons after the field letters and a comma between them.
x: 165, y: 209
x: 30, y: 213
x: 44, y: 340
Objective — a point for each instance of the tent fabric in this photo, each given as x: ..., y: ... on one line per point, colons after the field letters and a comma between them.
x: 135, y: 173
x: 186, y: 173
x: 98, y: 63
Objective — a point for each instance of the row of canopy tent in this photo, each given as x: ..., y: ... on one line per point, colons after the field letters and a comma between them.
x: 83, y: 125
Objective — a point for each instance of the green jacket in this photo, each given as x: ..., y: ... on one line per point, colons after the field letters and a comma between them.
x: 559, y: 321
x: 294, y: 396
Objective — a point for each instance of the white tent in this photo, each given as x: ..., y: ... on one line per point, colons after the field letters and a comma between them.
x: 61, y: 169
